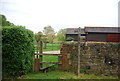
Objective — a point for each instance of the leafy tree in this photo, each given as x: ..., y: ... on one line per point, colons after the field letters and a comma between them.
x: 48, y: 30
x: 38, y: 36
x: 61, y: 35
x: 4, y: 21
x: 49, y: 33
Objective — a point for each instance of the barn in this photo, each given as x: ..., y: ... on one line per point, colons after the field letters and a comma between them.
x: 94, y: 34
x: 102, y: 34
x: 72, y: 34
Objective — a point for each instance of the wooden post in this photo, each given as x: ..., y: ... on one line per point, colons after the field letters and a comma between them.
x: 37, y: 46
x: 40, y: 52
x: 60, y: 61
x: 79, y: 34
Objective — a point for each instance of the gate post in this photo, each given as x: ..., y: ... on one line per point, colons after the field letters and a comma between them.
x: 40, y: 52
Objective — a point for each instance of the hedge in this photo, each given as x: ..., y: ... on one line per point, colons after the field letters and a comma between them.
x: 17, y: 51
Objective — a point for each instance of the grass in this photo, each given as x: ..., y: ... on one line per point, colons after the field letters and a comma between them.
x: 51, y: 47
x: 56, y: 74
x: 49, y: 59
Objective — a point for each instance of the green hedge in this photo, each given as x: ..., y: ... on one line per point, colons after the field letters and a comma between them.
x: 17, y: 51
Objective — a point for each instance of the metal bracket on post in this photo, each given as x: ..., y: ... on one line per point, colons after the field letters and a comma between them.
x: 79, y: 34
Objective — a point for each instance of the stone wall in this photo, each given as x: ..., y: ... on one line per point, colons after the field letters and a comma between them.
x: 97, y: 58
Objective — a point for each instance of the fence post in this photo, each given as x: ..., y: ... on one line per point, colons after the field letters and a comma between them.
x: 40, y: 52
x: 79, y: 34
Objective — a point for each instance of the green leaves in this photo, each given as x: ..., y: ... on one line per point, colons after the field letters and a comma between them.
x: 18, y: 48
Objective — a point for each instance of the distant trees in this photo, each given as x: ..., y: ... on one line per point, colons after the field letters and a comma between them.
x: 4, y: 22
x: 61, y: 35
x: 49, y: 34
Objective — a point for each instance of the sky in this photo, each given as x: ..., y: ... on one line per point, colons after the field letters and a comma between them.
x: 60, y: 14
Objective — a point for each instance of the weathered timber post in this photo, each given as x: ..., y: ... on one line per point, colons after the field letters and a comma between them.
x: 38, y: 58
x: 37, y: 46
x: 36, y: 64
x: 40, y: 52
x: 60, y: 61
x: 79, y: 34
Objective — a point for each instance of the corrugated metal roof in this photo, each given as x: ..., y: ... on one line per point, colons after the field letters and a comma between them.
x: 102, y: 29
x: 73, y: 31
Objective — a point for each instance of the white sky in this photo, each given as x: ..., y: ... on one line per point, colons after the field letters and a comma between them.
x: 60, y: 14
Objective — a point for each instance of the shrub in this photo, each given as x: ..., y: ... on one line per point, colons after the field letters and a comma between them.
x: 18, y: 49
x: 70, y: 39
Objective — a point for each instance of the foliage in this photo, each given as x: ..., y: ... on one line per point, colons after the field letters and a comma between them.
x: 38, y: 36
x: 48, y: 30
x: 49, y: 34
x: 70, y: 39
x: 61, y: 35
x: 18, y: 49
x: 4, y: 21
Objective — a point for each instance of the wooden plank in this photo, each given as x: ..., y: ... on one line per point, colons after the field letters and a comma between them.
x: 51, y: 54
x: 48, y: 54
x: 50, y: 63
x: 46, y: 67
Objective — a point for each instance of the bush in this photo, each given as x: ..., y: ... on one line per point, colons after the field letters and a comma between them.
x: 18, y: 49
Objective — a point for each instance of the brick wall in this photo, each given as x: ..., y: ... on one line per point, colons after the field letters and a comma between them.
x: 97, y: 58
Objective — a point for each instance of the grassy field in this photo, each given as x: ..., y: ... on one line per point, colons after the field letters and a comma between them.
x: 51, y: 47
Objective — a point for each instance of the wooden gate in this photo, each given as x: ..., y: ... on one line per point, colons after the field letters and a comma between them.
x: 38, y: 60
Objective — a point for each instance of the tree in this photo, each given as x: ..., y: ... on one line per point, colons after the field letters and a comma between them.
x: 49, y: 34
x: 61, y: 35
x: 38, y: 36
x: 4, y: 21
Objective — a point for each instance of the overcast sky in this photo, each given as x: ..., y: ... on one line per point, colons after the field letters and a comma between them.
x: 60, y: 14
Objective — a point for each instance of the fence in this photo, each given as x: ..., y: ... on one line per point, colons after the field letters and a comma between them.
x: 38, y: 61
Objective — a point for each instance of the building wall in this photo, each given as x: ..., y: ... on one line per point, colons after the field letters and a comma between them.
x: 103, y: 37
x: 96, y: 37
x: 112, y: 37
